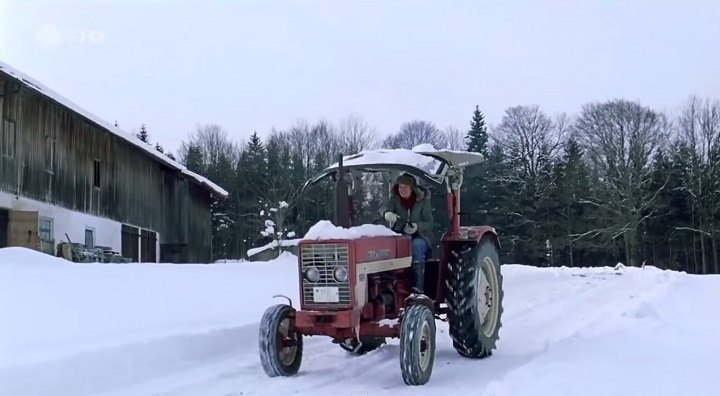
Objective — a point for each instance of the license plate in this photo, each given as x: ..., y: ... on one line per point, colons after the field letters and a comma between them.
x: 326, y: 294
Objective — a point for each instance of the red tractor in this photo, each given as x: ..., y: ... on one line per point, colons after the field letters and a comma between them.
x: 357, y: 290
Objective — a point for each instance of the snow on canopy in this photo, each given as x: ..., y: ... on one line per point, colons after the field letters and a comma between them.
x: 459, y: 158
x: 391, y: 157
x: 424, y: 157
x: 49, y: 93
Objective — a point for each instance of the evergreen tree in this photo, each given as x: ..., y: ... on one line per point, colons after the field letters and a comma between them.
x: 250, y: 183
x: 568, y: 217
x: 222, y: 209
x: 682, y: 239
x: 474, y: 190
x: 194, y: 160
x: 654, y: 231
x: 143, y: 135
x: 549, y: 209
x: 159, y: 148
x: 477, y: 136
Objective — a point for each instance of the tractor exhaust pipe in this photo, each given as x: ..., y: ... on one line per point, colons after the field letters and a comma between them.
x: 342, y: 198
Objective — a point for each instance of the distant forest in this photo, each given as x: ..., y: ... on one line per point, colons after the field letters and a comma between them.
x: 618, y: 182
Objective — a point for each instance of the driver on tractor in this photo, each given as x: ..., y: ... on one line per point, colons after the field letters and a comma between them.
x: 408, y: 211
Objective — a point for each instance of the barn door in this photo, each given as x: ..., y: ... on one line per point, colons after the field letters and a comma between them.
x: 4, y: 228
x: 148, y: 243
x: 153, y: 247
x: 130, y: 243
x: 23, y: 229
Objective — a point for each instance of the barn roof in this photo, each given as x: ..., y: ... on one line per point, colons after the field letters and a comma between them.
x: 49, y: 93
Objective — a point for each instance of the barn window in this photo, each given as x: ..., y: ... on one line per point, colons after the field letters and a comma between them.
x: 51, y: 124
x: 9, y: 98
x: 96, y: 173
x: 46, y: 229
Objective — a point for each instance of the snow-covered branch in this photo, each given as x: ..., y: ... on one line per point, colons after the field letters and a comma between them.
x: 693, y: 230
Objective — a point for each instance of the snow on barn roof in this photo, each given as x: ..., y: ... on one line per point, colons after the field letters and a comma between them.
x: 49, y: 93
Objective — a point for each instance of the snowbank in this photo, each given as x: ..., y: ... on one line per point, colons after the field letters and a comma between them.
x: 52, y: 307
x: 191, y: 330
x: 327, y: 230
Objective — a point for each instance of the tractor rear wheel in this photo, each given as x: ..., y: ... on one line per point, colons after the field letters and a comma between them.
x: 474, y: 298
x: 417, y: 344
x: 280, y: 343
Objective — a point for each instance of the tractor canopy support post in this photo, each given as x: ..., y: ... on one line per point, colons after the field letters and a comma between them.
x: 454, y: 181
x: 456, y: 213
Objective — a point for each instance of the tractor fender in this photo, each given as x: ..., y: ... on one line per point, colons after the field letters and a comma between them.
x: 473, y: 234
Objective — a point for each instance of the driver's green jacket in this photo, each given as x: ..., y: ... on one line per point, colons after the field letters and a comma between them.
x: 420, y: 213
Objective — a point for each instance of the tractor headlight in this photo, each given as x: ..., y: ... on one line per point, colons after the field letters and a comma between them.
x: 340, y: 274
x: 312, y: 274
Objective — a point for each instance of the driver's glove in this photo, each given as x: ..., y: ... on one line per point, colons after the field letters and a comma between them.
x: 410, y: 228
x: 391, y: 217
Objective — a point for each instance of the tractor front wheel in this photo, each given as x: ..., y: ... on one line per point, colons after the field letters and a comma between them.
x: 417, y: 344
x: 280, y: 344
x: 474, y: 299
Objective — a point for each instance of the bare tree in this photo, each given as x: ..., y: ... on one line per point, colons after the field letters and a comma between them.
x: 699, y: 127
x: 414, y: 133
x: 299, y: 133
x: 454, y: 138
x: 531, y: 140
x: 213, y: 141
x: 355, y: 135
x: 319, y: 143
x: 619, y: 139
x: 327, y: 144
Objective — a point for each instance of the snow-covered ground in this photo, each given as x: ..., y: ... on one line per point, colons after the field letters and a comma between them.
x: 162, y: 329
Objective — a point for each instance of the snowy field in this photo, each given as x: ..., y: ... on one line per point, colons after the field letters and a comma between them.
x: 191, y: 330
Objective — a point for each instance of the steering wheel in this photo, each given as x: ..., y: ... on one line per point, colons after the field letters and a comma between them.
x: 397, y: 227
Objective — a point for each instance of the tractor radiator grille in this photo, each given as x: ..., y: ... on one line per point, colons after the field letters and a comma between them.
x: 325, y: 257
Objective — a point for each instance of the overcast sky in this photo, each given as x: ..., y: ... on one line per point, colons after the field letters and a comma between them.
x: 253, y: 65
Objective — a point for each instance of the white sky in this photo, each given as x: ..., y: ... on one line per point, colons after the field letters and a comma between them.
x: 254, y: 65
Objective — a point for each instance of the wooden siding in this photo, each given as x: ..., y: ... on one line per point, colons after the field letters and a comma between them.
x: 57, y: 154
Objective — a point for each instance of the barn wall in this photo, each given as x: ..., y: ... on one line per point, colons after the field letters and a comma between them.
x: 66, y: 223
x: 51, y: 154
x: 200, y: 222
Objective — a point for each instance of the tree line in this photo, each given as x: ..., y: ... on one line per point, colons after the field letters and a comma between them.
x: 617, y: 182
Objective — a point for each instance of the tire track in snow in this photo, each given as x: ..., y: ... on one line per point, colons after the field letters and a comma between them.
x: 590, y: 304
x: 101, y: 370
x: 533, y: 323
x: 543, y: 310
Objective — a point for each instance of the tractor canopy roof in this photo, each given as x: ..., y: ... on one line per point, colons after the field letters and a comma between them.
x: 422, y: 161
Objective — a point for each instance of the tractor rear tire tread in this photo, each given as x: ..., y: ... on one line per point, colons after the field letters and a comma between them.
x: 465, y: 327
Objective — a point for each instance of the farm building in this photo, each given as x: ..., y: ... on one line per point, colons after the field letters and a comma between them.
x: 66, y: 175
